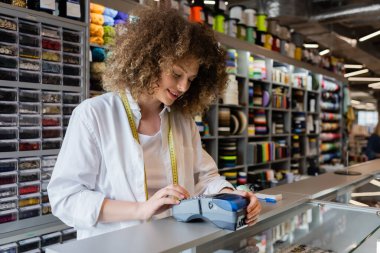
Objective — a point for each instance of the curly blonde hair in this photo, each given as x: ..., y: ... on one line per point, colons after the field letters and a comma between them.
x: 159, y: 38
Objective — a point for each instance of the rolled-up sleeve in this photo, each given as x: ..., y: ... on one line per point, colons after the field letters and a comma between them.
x: 71, y: 190
x: 207, y: 178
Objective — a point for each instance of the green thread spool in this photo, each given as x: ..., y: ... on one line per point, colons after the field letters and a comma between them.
x: 250, y: 32
x: 261, y: 22
x: 219, y: 23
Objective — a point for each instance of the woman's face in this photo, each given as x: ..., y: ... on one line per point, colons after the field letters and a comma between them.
x: 177, y: 80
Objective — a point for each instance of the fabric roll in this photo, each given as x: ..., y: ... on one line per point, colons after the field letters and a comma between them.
x: 97, y: 18
x: 121, y: 15
x: 108, y: 21
x: 96, y: 30
x: 97, y: 8
x: 96, y: 40
x: 110, y: 12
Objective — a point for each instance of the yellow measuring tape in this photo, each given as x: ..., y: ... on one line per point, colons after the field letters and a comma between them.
x: 132, y: 124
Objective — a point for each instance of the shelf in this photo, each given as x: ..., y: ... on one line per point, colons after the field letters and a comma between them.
x: 298, y: 111
x: 279, y: 135
x: 18, y: 154
x: 231, y: 168
x: 297, y: 158
x: 281, y: 160
x: 280, y: 110
x: 311, y: 156
x: 315, y: 134
x: 281, y: 84
x: 313, y: 113
x: 258, y: 164
x: 259, y: 80
x: 258, y: 107
x: 257, y: 171
x: 208, y: 138
x: 313, y: 91
x: 231, y: 137
x: 232, y: 106
x: 297, y: 88
x: 258, y: 136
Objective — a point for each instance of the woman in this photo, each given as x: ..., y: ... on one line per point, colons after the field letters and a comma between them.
x: 134, y: 152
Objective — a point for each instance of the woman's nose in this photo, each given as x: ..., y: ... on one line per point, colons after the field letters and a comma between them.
x: 183, y: 85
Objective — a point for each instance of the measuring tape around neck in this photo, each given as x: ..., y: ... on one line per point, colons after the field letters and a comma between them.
x: 132, y: 124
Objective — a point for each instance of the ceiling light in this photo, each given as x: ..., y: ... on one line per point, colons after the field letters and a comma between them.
x: 226, y: 3
x: 374, y: 85
x: 370, y: 104
x: 353, y: 66
x: 326, y: 51
x: 369, y: 36
x: 355, y: 102
x: 355, y: 73
x: 364, y: 79
x: 310, y: 45
x: 209, y: 2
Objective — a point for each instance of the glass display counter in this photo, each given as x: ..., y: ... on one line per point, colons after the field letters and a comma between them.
x: 312, y: 227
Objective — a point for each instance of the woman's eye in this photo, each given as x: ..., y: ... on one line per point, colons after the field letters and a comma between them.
x: 176, y: 75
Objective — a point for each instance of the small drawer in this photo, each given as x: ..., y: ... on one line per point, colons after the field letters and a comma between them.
x: 29, y: 200
x: 31, y: 53
x: 29, y: 120
x: 68, y: 59
x: 9, y: 24
x: 71, y: 98
x: 30, y: 65
x: 51, y: 44
x: 8, y: 133
x: 65, y: 121
x: 51, y: 68
x: 29, y: 77
x: 51, y: 56
x: 51, y: 79
x: 10, y: 50
x: 8, y: 107
x: 71, y: 36
x: 45, y: 197
x: 29, y: 28
x: 8, y: 146
x: 8, y: 37
x: 71, y: 48
x: 48, y: 133
x: 8, y: 178
x: 51, y: 144
x: 51, y: 109
x: 68, y: 109
x: 29, y: 212
x: 46, y: 209
x: 50, y: 239
x: 29, y: 188
x: 29, y: 133
x: 9, y: 248
x: 8, y: 95
x: 9, y: 75
x: 51, y: 97
x: 29, y: 145
x: 8, y: 62
x: 51, y: 121
x: 29, y: 244
x: 29, y: 108
x: 72, y: 81
x: 8, y: 120
x: 69, y: 234
x: 7, y: 191
x: 44, y: 185
x: 8, y: 203
x: 46, y: 173
x: 48, y: 161
x: 29, y: 96
x: 7, y: 165
x: 29, y: 41
x: 71, y: 70
x: 51, y: 32
x: 29, y: 163
x: 29, y: 175
x: 8, y: 216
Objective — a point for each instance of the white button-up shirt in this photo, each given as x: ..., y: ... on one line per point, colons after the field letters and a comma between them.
x: 100, y: 159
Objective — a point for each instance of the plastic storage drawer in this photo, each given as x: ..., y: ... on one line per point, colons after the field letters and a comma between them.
x: 8, y: 37
x: 29, y: 28
x: 7, y: 165
x: 51, y: 97
x: 8, y: 190
x: 29, y: 96
x: 29, y: 163
x: 29, y: 41
x: 71, y: 70
x: 31, y: 53
x: 30, y: 65
x: 7, y: 23
x: 46, y: 209
x: 29, y: 188
x: 70, y: 59
x: 29, y: 108
x: 50, y: 239
x: 68, y: 109
x: 8, y: 216
x: 45, y: 197
x: 51, y: 79
x: 51, y: 44
x: 51, y: 121
x: 51, y: 68
x: 8, y: 75
x: 8, y: 107
x: 29, y: 212
x: 29, y: 120
x: 8, y: 120
x: 46, y: 173
x: 29, y: 145
x: 69, y: 234
x: 8, y: 133
x: 51, y: 144
x: 51, y: 109
x: 51, y: 32
x: 44, y: 185
x: 71, y: 36
x: 29, y: 175
x: 48, y: 133
x: 8, y: 146
x: 71, y: 81
x: 48, y: 161
x: 29, y: 244
x: 29, y: 77
x: 51, y: 56
x: 9, y: 248
x: 29, y: 133
x: 8, y: 203
x: 65, y: 121
x: 29, y: 200
x: 8, y: 62
x: 8, y: 94
x: 71, y: 98
x: 8, y: 178
x: 10, y: 50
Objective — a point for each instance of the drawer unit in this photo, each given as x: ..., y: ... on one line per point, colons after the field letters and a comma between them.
x: 48, y: 161
x: 8, y: 203
x: 29, y: 175
x: 8, y: 36
x: 8, y: 23
x: 9, y: 62
x: 8, y: 190
x: 51, y: 56
x: 8, y: 133
x: 29, y: 244
x: 72, y: 81
x: 51, y: 132
x: 48, y: 67
x: 30, y: 65
x: 28, y: 52
x: 51, y: 121
x: 29, y: 77
x: 8, y: 178
x: 51, y: 44
x: 51, y: 109
x: 29, y: 145
x: 51, y: 97
x: 51, y: 79
x: 51, y: 32
x: 29, y: 96
x: 30, y: 41
x: 69, y: 59
x: 71, y: 36
x: 30, y: 108
x: 11, y: 50
x: 29, y: 163
x: 29, y: 133
x: 51, y: 144
x: 29, y: 120
x: 8, y: 121
x: 8, y: 146
x: 8, y: 75
x: 29, y: 28
x: 29, y: 212
x: 71, y: 98
x: 29, y: 187
x: 29, y: 200
x: 8, y: 216
x: 7, y: 165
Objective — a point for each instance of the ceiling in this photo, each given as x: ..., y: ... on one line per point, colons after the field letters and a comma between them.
x: 333, y: 24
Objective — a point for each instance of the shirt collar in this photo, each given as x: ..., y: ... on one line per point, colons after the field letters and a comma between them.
x: 135, y: 106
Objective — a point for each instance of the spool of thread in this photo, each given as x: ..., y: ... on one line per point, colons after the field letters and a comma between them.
x: 236, y: 12
x: 250, y: 34
x: 261, y: 20
x: 232, y: 29
x: 219, y: 23
x: 249, y: 17
x: 298, y: 53
x: 196, y: 14
x: 241, y: 32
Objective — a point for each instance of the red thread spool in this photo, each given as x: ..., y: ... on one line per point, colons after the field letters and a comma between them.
x: 195, y: 14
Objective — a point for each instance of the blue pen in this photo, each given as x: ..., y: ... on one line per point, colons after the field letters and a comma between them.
x: 269, y: 200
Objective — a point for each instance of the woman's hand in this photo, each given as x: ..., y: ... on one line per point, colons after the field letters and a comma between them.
x: 162, y: 200
x: 253, y: 208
